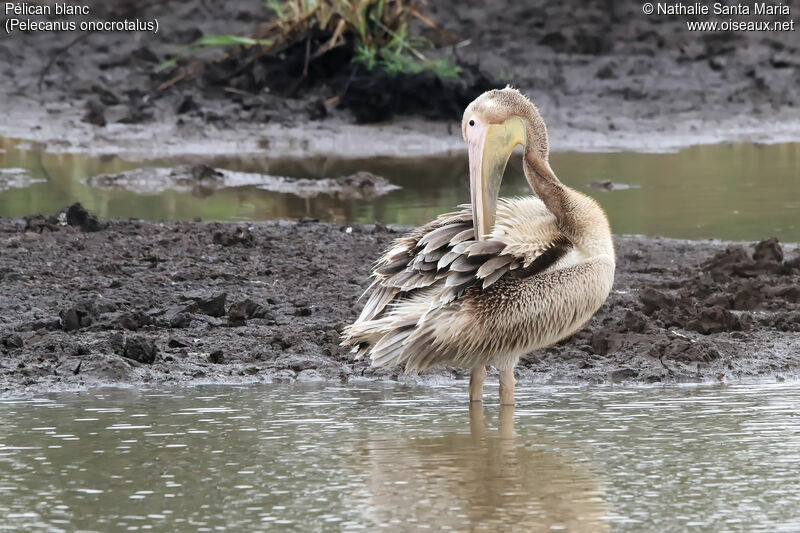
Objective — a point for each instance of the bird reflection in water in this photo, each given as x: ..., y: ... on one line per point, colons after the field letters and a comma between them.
x: 482, y: 481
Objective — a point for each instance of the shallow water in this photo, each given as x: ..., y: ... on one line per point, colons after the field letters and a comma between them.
x: 315, y: 457
x: 733, y: 192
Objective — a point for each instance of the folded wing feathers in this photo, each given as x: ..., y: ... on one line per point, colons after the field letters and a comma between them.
x: 445, y: 257
x: 427, y: 266
x: 446, y: 249
x: 451, y: 293
x: 493, y: 264
x: 494, y: 276
x: 439, y: 237
x: 377, y: 301
x: 462, y: 247
x: 435, y: 255
x: 465, y: 235
x: 489, y: 247
x: 422, y: 279
x: 465, y: 263
x: 454, y: 278
x: 393, y: 267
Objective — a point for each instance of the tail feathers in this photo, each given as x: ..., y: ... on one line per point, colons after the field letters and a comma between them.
x: 396, y: 339
x: 384, y: 340
x: 403, y: 345
x: 389, y: 350
x: 423, y: 351
x: 372, y: 331
x: 360, y: 350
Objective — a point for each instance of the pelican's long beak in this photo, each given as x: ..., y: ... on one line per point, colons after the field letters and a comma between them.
x: 489, y: 150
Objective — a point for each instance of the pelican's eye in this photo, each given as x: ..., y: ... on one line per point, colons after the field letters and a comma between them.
x: 471, y: 122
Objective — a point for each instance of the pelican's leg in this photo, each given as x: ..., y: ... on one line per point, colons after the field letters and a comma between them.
x: 507, y: 382
x: 476, y: 383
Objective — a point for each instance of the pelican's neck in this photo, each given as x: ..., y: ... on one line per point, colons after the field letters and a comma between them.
x: 545, y: 184
x: 579, y: 217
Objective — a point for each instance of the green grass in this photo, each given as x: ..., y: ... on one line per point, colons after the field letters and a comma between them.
x: 212, y: 41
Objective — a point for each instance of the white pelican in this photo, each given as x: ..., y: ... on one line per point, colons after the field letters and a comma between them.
x: 497, y: 279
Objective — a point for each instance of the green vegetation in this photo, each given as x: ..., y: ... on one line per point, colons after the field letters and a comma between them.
x: 379, y: 30
x: 212, y: 41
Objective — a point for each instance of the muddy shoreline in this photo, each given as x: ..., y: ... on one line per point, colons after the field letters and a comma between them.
x: 63, y: 132
x: 85, y: 302
x: 605, y: 76
x: 89, y: 302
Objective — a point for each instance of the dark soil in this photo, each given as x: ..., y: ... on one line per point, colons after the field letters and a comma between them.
x: 590, y: 65
x: 370, y: 95
x: 86, y: 303
x: 260, y: 86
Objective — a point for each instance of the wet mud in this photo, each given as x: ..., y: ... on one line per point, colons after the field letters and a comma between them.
x: 88, y: 302
x: 331, y: 80
x: 604, y: 75
x: 203, y: 180
x: 14, y: 178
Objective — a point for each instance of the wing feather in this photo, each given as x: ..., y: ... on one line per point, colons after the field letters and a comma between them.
x: 433, y: 266
x: 447, y: 259
x: 488, y: 247
x: 377, y: 301
x: 440, y: 236
x: 492, y: 265
x: 465, y: 235
x: 464, y: 263
x: 494, y: 276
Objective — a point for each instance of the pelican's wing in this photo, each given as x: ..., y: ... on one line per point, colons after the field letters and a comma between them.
x: 444, y: 253
x: 412, y: 262
x: 435, y: 264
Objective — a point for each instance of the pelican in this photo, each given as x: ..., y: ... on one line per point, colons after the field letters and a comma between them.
x: 496, y: 279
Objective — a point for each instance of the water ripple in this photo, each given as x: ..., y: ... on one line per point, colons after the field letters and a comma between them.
x: 395, y: 457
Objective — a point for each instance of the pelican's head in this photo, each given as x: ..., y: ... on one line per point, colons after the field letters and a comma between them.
x: 493, y: 125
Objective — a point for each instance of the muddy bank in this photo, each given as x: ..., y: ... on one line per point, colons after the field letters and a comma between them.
x: 15, y: 178
x: 87, y: 302
x: 605, y: 76
x: 203, y: 180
